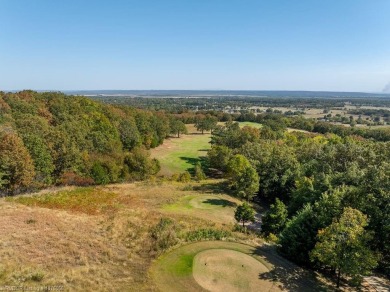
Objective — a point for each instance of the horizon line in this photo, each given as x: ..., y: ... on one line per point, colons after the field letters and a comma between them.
x: 227, y: 90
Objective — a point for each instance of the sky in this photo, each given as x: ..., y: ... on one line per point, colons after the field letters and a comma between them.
x: 332, y: 45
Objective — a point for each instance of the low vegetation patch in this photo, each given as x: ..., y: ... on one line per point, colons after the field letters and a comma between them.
x: 91, y: 201
x: 207, y: 234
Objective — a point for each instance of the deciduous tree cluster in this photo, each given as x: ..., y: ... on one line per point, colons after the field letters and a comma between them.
x: 312, y: 181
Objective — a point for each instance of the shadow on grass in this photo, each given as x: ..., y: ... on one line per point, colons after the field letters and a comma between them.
x: 193, y: 161
x: 220, y: 202
x: 291, y: 277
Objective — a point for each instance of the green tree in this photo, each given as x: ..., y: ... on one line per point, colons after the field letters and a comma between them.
x: 344, y: 246
x: 275, y: 219
x: 178, y: 127
x: 219, y: 157
x: 129, y: 134
x: 243, y: 178
x: 206, y: 124
x: 298, y: 238
x: 3, y: 181
x: 244, y: 213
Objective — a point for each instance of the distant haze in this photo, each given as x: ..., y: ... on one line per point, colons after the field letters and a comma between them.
x: 224, y: 93
x: 387, y: 88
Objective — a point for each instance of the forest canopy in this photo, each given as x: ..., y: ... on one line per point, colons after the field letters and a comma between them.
x: 51, y: 138
x: 308, y: 179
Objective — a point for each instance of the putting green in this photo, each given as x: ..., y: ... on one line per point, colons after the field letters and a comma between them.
x: 228, y: 270
x: 213, y: 266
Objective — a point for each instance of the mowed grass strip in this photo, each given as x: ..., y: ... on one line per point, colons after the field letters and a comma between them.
x: 90, y: 201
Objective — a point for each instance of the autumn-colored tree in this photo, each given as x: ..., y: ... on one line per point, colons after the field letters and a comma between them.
x: 16, y: 162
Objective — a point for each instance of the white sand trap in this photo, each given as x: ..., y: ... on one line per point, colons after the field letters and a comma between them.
x: 228, y: 270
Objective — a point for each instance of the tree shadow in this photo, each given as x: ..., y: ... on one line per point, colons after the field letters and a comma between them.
x: 193, y: 161
x: 220, y: 202
x: 290, y: 276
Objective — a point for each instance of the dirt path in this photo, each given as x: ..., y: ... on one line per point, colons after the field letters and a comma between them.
x: 376, y: 284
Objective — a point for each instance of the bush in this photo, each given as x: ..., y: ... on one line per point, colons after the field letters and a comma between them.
x: 100, y: 174
x: 139, y: 164
x: 163, y: 235
x: 198, y: 171
x: 206, y: 234
x: 184, y: 177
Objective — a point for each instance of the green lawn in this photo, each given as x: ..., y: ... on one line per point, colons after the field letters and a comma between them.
x: 180, y: 154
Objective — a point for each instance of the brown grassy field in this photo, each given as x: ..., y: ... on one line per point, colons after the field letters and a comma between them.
x: 57, y: 238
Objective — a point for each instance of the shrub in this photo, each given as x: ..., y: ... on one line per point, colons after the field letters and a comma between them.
x: 184, y: 177
x: 100, y: 174
x: 71, y: 178
x: 198, y: 171
x: 163, y: 235
x: 206, y: 234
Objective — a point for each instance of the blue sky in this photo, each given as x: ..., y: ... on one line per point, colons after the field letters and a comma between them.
x: 335, y: 45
